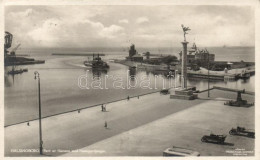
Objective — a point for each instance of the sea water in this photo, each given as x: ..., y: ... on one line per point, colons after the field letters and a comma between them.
x: 59, y: 79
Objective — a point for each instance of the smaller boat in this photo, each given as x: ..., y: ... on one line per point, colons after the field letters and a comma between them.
x: 25, y: 70
x: 15, y: 71
x: 244, y: 75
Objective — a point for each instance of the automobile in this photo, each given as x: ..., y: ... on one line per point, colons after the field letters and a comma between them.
x: 165, y: 91
x: 178, y: 151
x: 213, y: 138
x: 242, y: 131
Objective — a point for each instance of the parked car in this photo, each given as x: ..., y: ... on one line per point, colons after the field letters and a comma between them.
x: 165, y: 91
x: 214, y: 138
x: 242, y: 131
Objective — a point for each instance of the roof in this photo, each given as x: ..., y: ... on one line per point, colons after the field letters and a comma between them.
x: 181, y: 152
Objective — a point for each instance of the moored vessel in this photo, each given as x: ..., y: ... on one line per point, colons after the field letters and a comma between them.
x: 96, y: 63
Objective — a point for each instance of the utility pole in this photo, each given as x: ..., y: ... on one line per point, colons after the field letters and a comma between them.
x: 208, y: 74
x: 37, y: 75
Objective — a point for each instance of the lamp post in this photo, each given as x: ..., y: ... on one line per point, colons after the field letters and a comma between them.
x: 176, y: 74
x: 37, y: 75
x: 208, y: 74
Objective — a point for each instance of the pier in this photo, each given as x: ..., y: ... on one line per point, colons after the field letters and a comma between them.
x: 201, y: 74
x: 218, y: 75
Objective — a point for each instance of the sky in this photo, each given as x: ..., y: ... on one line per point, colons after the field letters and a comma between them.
x: 120, y: 26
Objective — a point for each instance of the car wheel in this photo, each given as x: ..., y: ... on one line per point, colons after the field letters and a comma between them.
x: 231, y: 132
x: 203, y: 139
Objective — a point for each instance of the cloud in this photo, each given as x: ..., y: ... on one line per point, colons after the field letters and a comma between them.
x: 106, y: 32
x: 141, y: 20
x: 146, y: 36
x: 22, y: 14
x: 54, y: 32
x: 123, y: 21
x: 48, y: 34
x: 86, y: 26
x: 112, y: 31
x: 96, y: 25
x: 35, y: 28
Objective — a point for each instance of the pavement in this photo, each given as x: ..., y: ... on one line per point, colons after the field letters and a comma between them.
x: 183, y: 129
x: 138, y: 127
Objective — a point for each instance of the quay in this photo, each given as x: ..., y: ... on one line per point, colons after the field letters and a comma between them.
x: 218, y: 75
x: 151, y: 139
x: 233, y: 90
x: 22, y: 61
x: 202, y: 73
x: 128, y: 126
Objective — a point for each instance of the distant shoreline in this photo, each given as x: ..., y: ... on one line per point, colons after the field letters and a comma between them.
x: 77, y: 54
x: 93, y: 49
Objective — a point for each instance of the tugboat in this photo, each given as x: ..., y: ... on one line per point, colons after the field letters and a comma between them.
x: 12, y: 72
x: 244, y: 75
x: 96, y: 63
x: 15, y: 71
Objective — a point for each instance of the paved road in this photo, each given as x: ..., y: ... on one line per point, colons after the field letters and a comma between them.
x: 182, y: 129
x: 77, y: 130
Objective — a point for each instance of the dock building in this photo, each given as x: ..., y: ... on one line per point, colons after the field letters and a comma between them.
x: 133, y: 55
x: 196, y: 56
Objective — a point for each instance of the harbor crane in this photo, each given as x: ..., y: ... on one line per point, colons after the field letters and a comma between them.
x: 14, y: 50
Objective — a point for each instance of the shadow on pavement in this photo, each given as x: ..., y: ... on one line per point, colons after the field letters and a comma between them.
x: 48, y: 155
x: 212, y: 99
x: 228, y: 144
x: 243, y: 135
x: 225, y: 143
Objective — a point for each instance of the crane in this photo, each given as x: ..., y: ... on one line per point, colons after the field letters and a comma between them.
x: 14, y: 50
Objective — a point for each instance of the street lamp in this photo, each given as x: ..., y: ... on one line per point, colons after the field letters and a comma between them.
x: 176, y: 74
x: 208, y: 74
x: 37, y: 75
